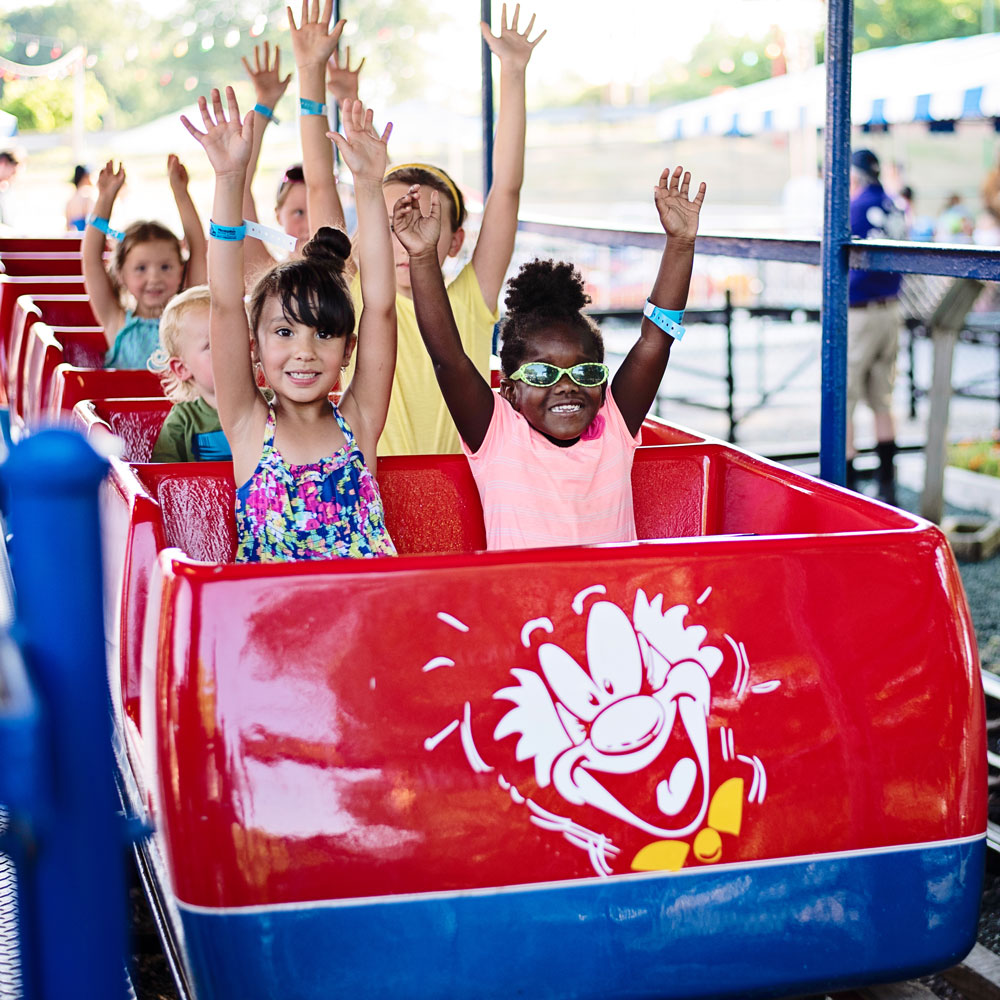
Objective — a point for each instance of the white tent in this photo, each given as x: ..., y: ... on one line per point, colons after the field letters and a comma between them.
x: 950, y: 79
x: 8, y: 125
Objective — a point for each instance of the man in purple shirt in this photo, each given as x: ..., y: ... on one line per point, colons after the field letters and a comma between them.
x: 873, y: 321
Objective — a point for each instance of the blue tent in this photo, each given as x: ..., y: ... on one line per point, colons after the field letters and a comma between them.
x: 945, y: 80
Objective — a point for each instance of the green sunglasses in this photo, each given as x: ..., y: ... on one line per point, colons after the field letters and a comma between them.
x: 542, y: 374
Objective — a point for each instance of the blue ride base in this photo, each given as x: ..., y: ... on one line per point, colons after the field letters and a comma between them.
x: 885, y: 915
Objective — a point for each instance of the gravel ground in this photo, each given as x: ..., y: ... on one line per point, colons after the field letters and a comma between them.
x: 982, y: 587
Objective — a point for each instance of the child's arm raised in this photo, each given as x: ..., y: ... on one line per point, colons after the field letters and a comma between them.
x: 637, y: 380
x: 366, y: 400
x: 495, y: 244
x: 269, y: 88
x: 467, y: 394
x: 314, y: 42
x: 194, y: 233
x: 104, y: 298
x: 242, y: 410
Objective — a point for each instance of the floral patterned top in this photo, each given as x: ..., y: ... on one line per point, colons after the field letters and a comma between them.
x: 320, y: 510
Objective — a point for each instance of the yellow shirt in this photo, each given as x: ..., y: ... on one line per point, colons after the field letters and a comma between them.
x: 419, y: 422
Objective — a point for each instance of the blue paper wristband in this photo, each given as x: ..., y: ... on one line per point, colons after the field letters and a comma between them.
x: 307, y: 107
x: 668, y: 320
x: 231, y: 234
x: 102, y: 225
x: 266, y: 112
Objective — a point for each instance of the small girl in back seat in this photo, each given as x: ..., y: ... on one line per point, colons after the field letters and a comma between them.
x: 147, y: 266
x: 302, y: 464
x: 552, y: 454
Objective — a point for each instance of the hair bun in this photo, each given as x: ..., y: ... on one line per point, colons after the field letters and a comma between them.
x: 330, y: 245
x: 546, y: 288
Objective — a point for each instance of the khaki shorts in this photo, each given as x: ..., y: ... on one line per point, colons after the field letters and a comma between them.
x: 872, y: 343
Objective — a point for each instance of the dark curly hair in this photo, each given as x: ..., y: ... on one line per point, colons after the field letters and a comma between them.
x: 544, y: 291
x: 312, y: 288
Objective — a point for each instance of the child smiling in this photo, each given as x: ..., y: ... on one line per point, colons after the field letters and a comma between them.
x: 552, y: 454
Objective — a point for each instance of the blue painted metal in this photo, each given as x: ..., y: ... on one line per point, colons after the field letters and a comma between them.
x: 877, y: 255
x: 868, y: 913
x: 836, y: 234
x: 77, y: 873
x: 486, y: 14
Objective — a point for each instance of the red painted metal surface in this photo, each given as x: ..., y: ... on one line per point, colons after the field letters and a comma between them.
x: 771, y: 673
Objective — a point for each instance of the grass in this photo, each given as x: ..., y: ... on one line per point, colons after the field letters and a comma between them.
x: 977, y: 456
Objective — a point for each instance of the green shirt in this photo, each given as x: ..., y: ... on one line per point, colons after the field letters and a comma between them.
x: 192, y: 433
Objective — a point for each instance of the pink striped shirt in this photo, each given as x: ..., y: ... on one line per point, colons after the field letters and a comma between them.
x: 535, y: 493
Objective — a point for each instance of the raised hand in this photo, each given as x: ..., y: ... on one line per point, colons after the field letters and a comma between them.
x: 176, y: 173
x: 678, y: 213
x: 342, y: 81
x: 362, y: 148
x: 313, y: 41
x: 266, y: 76
x: 417, y: 232
x: 227, y: 142
x: 511, y: 47
x: 109, y: 180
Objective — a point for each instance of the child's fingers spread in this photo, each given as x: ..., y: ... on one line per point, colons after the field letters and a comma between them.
x: 206, y: 117
x: 220, y: 115
x: 234, y: 108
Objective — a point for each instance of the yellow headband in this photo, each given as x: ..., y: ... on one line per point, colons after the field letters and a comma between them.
x: 433, y: 171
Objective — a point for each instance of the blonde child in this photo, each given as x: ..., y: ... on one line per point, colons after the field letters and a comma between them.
x: 303, y: 464
x: 418, y: 420
x: 148, y: 267
x: 552, y: 453
x: 192, y: 431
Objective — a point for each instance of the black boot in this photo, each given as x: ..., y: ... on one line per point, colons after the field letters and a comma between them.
x: 886, y: 451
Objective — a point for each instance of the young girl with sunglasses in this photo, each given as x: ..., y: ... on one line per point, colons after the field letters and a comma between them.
x: 552, y: 453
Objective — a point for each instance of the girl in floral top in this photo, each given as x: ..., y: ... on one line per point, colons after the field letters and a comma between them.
x: 305, y: 466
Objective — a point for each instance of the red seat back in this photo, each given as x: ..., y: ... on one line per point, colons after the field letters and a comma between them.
x: 46, y: 348
x: 13, y: 286
x: 66, y: 310
x: 135, y: 422
x: 198, y: 512
x: 70, y: 385
x: 41, y: 263
x: 431, y: 504
x: 40, y: 244
x: 24, y: 316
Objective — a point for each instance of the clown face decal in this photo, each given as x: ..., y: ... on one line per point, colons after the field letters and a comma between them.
x: 624, y: 732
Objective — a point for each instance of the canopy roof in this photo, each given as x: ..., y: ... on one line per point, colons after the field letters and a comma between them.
x: 946, y: 80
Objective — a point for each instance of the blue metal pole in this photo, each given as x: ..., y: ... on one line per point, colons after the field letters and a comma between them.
x: 78, y: 875
x: 335, y: 123
x: 836, y: 236
x: 487, y: 16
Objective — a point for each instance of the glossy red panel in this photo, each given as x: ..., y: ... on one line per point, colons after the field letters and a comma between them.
x: 472, y: 719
